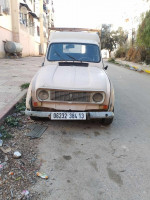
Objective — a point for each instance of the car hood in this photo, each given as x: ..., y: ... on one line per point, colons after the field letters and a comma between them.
x: 72, y: 78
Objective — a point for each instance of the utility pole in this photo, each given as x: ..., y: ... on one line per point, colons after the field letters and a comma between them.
x: 41, y: 28
x: 15, y: 20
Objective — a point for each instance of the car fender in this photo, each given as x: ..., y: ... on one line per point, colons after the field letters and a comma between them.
x: 31, y: 92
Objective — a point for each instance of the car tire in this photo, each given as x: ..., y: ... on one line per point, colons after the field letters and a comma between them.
x: 34, y: 118
x: 107, y: 121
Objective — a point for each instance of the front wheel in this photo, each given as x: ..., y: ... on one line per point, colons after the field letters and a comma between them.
x: 107, y: 121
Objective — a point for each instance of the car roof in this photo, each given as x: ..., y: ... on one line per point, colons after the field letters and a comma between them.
x: 76, y: 37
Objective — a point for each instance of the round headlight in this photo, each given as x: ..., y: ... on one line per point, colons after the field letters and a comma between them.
x: 97, y: 97
x: 43, y: 95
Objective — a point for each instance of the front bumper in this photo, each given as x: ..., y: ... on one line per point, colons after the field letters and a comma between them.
x: 90, y: 115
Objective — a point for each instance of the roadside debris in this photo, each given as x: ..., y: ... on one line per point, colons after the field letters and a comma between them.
x: 132, y: 68
x: 11, y: 192
x: 24, y: 193
x: 17, y: 179
x: 2, y: 166
x: 1, y: 143
x: 5, y: 150
x: 11, y: 173
x: 17, y: 154
x: 6, y: 158
x: 140, y: 70
x: 42, y: 175
x: 17, y: 174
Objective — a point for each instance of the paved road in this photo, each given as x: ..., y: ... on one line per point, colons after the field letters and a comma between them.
x: 87, y: 161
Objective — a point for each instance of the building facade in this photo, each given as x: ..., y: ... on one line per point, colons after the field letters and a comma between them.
x: 26, y: 22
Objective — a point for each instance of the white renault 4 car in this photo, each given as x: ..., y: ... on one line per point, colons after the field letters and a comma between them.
x: 72, y: 84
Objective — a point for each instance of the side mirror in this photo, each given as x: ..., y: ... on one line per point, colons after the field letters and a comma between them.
x: 42, y: 64
x: 106, y: 67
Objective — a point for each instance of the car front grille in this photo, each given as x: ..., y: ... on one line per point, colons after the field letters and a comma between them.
x: 70, y: 96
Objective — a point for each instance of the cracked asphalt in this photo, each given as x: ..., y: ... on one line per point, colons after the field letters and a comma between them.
x: 87, y: 161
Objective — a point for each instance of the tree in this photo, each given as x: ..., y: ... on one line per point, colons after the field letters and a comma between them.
x: 110, y: 39
x: 107, y: 40
x: 143, y: 33
x: 121, y: 36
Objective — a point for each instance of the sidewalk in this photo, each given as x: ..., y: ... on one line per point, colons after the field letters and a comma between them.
x: 14, y: 73
x: 134, y: 66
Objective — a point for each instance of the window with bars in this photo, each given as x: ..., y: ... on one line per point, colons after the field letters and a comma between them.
x: 38, y: 31
x: 23, y: 19
x: 5, y: 6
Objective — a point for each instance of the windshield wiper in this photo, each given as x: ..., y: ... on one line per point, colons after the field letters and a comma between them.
x: 62, y: 59
x: 72, y: 57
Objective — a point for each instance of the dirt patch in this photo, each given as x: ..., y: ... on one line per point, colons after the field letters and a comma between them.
x: 19, y: 174
x: 114, y: 176
x: 67, y: 157
x: 94, y: 165
x: 96, y: 133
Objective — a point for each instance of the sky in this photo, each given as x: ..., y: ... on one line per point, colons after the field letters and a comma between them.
x: 93, y: 13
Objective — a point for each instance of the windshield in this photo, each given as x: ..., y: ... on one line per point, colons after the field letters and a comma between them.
x: 74, y: 52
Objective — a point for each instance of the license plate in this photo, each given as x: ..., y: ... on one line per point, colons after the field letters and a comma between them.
x: 68, y: 116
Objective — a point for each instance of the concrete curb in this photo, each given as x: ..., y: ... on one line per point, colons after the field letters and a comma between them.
x: 147, y: 71
x: 10, y: 106
x: 132, y: 67
x: 139, y: 69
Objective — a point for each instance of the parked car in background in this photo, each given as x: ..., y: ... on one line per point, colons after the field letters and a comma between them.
x: 72, y: 84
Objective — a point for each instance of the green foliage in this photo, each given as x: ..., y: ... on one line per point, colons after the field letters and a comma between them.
x: 12, y: 121
x: 112, y: 60
x: 24, y: 86
x: 21, y: 106
x: 147, y: 59
x: 126, y: 65
x: 121, y: 36
x: 143, y: 34
x: 5, y: 134
x: 110, y: 39
x: 107, y: 40
x: 121, y: 52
